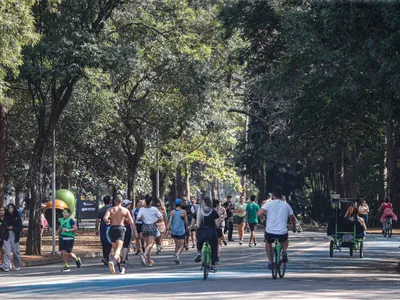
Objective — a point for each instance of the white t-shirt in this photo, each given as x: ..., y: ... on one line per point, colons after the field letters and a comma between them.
x: 277, y: 216
x: 150, y: 215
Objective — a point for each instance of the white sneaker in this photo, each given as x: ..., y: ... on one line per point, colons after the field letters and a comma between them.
x: 17, y: 269
x: 122, y: 271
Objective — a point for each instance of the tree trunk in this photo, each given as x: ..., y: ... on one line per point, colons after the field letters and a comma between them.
x: 179, y: 183
x: 213, y: 188
x: 17, y: 192
x: 3, y: 151
x: 263, y: 181
x: 393, y: 170
x: 133, y: 163
x: 187, y: 181
x: 338, y: 168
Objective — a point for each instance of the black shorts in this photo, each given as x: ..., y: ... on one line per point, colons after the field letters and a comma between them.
x: 139, y: 228
x: 219, y: 233
x: 270, y: 238
x: 66, y: 245
x: 117, y: 233
x: 128, y: 236
x: 178, y: 237
x: 252, y: 226
x: 239, y: 220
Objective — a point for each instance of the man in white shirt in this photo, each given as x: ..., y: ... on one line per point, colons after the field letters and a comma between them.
x: 277, y: 212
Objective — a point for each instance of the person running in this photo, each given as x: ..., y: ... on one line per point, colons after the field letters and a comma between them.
x: 105, y: 244
x: 192, y: 224
x: 240, y: 212
x: 208, y: 221
x: 228, y: 205
x: 178, y: 224
x: 130, y: 230
x: 221, y: 212
x: 161, y: 224
x: 139, y: 223
x: 188, y: 208
x: 277, y: 212
x: 2, y: 233
x: 66, y: 234
x: 251, y: 209
x: 116, y: 216
x: 150, y: 215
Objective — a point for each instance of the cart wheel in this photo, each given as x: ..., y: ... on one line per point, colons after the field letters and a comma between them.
x: 361, y: 249
x: 351, y: 250
x: 331, y: 249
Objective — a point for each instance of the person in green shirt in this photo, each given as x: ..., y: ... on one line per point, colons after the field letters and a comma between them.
x: 251, y: 209
x: 66, y: 233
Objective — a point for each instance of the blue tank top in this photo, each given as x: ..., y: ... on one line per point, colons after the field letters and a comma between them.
x: 135, y: 216
x: 178, y: 225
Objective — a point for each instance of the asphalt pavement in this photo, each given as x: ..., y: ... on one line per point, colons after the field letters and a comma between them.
x: 242, y: 274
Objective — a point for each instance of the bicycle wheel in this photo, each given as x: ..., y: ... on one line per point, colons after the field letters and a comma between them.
x: 275, y: 263
x: 205, y: 264
x: 390, y: 231
x: 331, y: 249
x: 281, y: 268
x: 361, y: 249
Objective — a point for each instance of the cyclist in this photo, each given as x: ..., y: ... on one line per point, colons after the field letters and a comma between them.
x: 208, y: 221
x: 387, y: 209
x: 277, y: 212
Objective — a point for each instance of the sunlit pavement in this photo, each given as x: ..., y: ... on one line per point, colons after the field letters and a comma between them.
x: 243, y: 274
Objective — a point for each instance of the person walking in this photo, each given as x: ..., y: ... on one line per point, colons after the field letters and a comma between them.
x: 251, y: 209
x: 188, y: 208
x: 66, y: 233
x: 228, y: 205
x: 105, y: 244
x: 2, y: 233
x: 139, y: 229
x: 221, y: 212
x: 178, y: 225
x: 150, y: 215
x: 115, y: 216
x: 363, y: 211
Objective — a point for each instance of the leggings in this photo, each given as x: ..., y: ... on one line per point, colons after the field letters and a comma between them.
x: 210, y: 235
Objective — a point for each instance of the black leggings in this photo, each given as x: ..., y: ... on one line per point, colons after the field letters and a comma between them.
x: 210, y: 235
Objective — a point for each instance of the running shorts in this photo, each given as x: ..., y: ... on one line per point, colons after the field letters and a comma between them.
x: 66, y: 245
x: 239, y: 220
x: 219, y: 233
x: 252, y: 226
x: 150, y: 230
x: 117, y: 233
x: 270, y: 238
x: 139, y: 228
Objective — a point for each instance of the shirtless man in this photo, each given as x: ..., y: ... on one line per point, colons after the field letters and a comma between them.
x: 116, y: 216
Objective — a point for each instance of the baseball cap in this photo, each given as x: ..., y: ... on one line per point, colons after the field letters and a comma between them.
x: 178, y: 201
x: 126, y: 202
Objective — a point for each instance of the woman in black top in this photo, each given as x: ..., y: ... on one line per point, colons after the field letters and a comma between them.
x: 208, y: 221
x: 13, y: 223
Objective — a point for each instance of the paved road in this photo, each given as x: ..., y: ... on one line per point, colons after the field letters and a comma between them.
x: 311, y: 274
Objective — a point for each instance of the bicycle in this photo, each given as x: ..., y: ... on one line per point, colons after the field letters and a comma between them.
x: 388, y: 227
x: 278, y: 267
x: 206, y: 260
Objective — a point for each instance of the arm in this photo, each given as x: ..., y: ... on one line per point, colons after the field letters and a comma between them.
x: 293, y: 221
x: 186, y: 220
x: 171, y: 216
x: 261, y: 213
x: 347, y: 212
x: 106, y: 217
x: 380, y: 208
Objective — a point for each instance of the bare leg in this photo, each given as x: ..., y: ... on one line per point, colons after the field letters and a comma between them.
x: 193, y: 239
x: 219, y: 247
x: 240, y: 231
x: 72, y: 255
x: 180, y: 246
x: 149, y: 245
x: 268, y: 248
x: 285, y: 245
x: 64, y: 257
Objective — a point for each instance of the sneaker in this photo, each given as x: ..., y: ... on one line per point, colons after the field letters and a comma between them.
x: 104, y: 261
x: 186, y: 247
x: 198, y: 258
x: 143, y: 260
x: 255, y: 244
x: 111, y: 266
x: 150, y: 263
x: 250, y: 245
x: 122, y: 271
x: 158, y: 252
x: 176, y: 259
x: 213, y: 269
x: 138, y: 252
x: 225, y: 243
x: 217, y: 261
x: 284, y: 257
x: 193, y: 245
x: 240, y: 242
x: 17, y: 268
x: 78, y: 262
x: 123, y: 263
x: 65, y: 269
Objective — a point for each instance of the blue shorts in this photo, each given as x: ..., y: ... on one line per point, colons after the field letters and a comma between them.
x: 178, y: 237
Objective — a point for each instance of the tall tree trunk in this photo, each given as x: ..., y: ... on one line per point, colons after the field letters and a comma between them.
x: 263, y: 181
x: 179, y: 183
x: 17, y: 192
x: 338, y: 168
x: 393, y: 170
x: 133, y: 164
x: 187, y: 181
x: 213, y: 188
x: 3, y: 150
